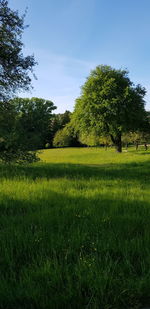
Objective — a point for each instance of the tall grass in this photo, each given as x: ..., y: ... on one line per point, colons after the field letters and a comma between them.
x: 75, y: 231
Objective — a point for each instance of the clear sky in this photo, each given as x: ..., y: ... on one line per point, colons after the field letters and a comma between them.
x: 71, y: 37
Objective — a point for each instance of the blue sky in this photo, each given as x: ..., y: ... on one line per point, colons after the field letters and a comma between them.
x: 71, y: 37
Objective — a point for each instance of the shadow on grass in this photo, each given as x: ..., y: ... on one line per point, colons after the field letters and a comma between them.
x: 137, y: 171
x: 61, y: 251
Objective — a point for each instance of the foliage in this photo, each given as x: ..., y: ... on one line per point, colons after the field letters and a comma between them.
x: 148, y: 115
x: 27, y: 127
x: 62, y: 138
x: 58, y: 122
x: 135, y: 137
x: 105, y: 139
x: 47, y: 145
x: 34, y: 118
x: 110, y: 104
x: 64, y: 118
x: 65, y: 137
x: 11, y: 155
x: 14, y: 66
x: 126, y: 139
x: 140, y: 137
x: 8, y: 132
x: 15, y: 69
x: 89, y: 139
x: 7, y: 119
x: 93, y: 139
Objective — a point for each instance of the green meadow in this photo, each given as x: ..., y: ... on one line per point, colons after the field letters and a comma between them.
x: 75, y: 230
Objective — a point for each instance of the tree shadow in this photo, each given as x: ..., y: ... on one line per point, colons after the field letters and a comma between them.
x: 142, y: 153
x: 136, y: 171
x: 65, y: 230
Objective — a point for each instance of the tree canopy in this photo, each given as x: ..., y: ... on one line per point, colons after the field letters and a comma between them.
x: 34, y: 117
x: 66, y: 137
x: 14, y: 66
x: 110, y: 104
x: 15, y: 75
x: 28, y: 126
x: 59, y: 121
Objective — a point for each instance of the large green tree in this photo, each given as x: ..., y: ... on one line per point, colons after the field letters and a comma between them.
x: 110, y: 104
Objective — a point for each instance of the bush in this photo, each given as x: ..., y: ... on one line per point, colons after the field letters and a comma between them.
x: 66, y: 138
x: 62, y: 138
x: 47, y: 145
x: 18, y: 156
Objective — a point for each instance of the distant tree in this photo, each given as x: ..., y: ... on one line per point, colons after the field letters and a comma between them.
x: 126, y: 139
x: 34, y: 118
x: 146, y: 139
x: 134, y: 138
x: 137, y: 137
x: 110, y: 104
x: 146, y: 130
x: 58, y: 122
x: 64, y: 118
x: 105, y: 139
x: 27, y: 128
x: 66, y: 137
x: 62, y: 138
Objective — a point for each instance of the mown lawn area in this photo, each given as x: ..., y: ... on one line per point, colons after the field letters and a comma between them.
x: 75, y: 231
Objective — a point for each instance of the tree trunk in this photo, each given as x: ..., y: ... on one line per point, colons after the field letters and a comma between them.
x: 118, y: 143
x: 145, y: 145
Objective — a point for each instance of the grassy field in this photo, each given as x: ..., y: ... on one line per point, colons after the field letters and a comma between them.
x: 75, y: 231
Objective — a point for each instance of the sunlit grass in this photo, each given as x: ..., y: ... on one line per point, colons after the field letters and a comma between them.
x: 75, y: 230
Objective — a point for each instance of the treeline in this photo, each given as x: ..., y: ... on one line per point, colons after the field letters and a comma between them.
x: 31, y: 125
x: 66, y: 136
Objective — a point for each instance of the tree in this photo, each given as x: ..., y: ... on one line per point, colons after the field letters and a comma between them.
x: 60, y: 120
x: 126, y: 139
x: 66, y: 137
x: 105, y: 140
x: 62, y: 138
x: 64, y: 118
x: 15, y: 71
x: 135, y: 138
x: 89, y: 139
x: 93, y: 139
x: 109, y: 103
x: 34, y: 118
x: 140, y: 137
x: 14, y: 67
x: 27, y: 127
